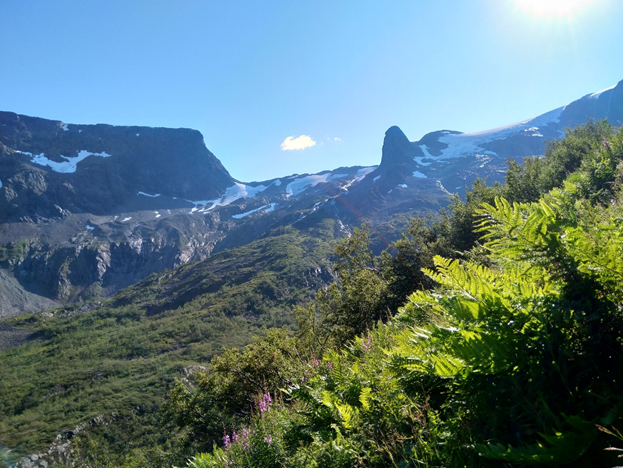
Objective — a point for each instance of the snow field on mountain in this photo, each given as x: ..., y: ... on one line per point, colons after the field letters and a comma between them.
x: 462, y: 144
x: 68, y: 166
x: 598, y: 93
x: 298, y: 185
x: 233, y: 193
x: 269, y: 208
x: 364, y: 171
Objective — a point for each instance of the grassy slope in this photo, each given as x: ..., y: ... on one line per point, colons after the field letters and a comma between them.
x: 121, y: 357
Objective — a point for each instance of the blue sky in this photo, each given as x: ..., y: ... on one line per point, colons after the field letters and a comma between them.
x: 250, y: 74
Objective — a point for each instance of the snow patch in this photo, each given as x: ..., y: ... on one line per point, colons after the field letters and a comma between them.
x: 376, y: 178
x: 420, y: 175
x: 462, y: 144
x: 233, y: 193
x: 148, y: 195
x: 402, y: 185
x: 0, y: 184
x: 79, y: 131
x: 244, y: 215
x: 442, y: 188
x: 68, y: 166
x: 126, y: 219
x: 424, y: 149
x: 90, y: 228
x: 137, y: 134
x: 364, y: 171
x: 65, y: 128
x: 534, y: 130
x: 299, y: 185
x: 420, y: 159
x: 269, y: 208
x: 599, y: 93
x: 277, y: 182
x: 361, y: 173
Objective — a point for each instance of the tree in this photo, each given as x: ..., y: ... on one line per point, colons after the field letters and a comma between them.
x: 222, y: 396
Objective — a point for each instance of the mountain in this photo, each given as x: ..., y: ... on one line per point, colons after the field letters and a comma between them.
x: 90, y: 209
x: 457, y: 159
x: 192, y: 262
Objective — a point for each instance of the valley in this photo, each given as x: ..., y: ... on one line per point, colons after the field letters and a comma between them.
x: 130, y: 257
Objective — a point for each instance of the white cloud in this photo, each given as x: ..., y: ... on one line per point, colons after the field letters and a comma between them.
x: 297, y: 143
x: 337, y: 139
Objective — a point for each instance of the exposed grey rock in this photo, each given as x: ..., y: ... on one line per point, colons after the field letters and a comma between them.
x: 15, y: 300
x: 141, y: 200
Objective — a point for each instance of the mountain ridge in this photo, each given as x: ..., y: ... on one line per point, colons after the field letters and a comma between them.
x: 90, y: 209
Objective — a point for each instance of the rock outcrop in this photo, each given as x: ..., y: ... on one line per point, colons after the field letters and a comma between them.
x: 89, y: 209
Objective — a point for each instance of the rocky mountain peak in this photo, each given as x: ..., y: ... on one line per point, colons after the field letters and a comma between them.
x: 89, y: 209
x: 397, y: 149
x: 98, y: 168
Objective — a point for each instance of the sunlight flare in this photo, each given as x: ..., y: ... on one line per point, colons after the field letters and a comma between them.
x: 553, y: 7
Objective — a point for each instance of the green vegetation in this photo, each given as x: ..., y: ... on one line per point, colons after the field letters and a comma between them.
x: 14, y: 251
x: 119, y: 360
x: 513, y: 357
x: 507, y: 352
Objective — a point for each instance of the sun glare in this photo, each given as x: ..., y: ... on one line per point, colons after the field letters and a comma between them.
x: 552, y: 7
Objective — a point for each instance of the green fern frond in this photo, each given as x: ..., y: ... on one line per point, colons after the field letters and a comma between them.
x: 364, y: 398
x: 347, y: 413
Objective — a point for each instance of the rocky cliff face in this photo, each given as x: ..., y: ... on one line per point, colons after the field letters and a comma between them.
x: 66, y: 191
x: 89, y: 209
x: 51, y: 169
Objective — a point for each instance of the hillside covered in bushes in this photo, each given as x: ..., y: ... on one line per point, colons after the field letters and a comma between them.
x: 490, y: 334
x: 508, y: 353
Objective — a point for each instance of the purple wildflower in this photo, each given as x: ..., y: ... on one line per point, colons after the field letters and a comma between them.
x: 226, y: 441
x: 265, y: 403
x: 268, y: 439
x: 366, y: 346
x: 316, y: 362
x: 330, y: 365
